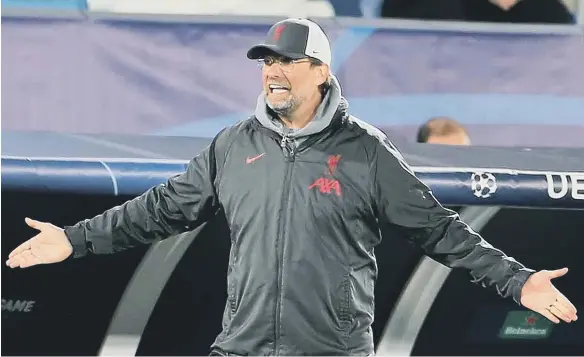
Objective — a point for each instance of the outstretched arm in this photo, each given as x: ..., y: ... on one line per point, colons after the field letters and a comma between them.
x: 404, y: 201
x: 184, y: 202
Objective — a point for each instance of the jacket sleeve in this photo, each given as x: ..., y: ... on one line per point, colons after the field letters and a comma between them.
x: 184, y: 202
x: 404, y: 201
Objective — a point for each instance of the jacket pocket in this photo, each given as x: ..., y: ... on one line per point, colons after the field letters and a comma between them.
x: 230, y: 306
x: 232, y: 285
x: 232, y: 298
x: 345, y: 309
x: 231, y: 291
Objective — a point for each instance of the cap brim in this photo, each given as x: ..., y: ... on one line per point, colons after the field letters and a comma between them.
x: 260, y: 51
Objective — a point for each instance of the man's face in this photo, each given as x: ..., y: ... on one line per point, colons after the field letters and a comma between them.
x: 288, y: 83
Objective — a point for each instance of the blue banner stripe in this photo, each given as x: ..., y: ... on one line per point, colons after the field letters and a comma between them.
x: 347, y: 43
x: 528, y: 189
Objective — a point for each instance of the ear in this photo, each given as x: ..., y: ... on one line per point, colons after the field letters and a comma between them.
x: 322, y: 74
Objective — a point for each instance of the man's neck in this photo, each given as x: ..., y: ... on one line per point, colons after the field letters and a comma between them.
x: 303, y: 115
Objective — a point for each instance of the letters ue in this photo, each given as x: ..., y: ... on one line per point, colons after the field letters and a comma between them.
x: 557, y: 190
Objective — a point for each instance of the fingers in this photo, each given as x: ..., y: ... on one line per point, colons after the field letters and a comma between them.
x: 28, y: 259
x: 15, y: 260
x: 34, y: 224
x: 565, y: 305
x: 26, y: 246
x: 21, y: 248
x: 550, y: 316
x: 560, y: 312
x: 24, y: 260
x: 557, y: 273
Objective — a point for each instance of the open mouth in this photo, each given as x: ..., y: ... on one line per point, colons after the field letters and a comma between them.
x: 277, y: 89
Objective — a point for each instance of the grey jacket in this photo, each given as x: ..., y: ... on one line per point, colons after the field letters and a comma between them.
x: 304, y: 210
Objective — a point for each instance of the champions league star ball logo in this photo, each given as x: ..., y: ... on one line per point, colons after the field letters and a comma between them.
x: 483, y: 184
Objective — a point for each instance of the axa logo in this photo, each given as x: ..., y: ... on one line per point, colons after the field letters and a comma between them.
x: 326, y: 184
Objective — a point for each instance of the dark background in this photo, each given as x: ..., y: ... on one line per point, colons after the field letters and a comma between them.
x: 75, y: 300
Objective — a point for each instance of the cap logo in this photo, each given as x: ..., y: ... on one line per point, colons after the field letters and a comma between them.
x: 278, y: 32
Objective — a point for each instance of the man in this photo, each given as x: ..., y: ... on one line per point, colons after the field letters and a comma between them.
x: 303, y: 186
x: 500, y: 11
x: 444, y: 131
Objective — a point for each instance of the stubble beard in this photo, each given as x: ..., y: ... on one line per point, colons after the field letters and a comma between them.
x: 284, y: 108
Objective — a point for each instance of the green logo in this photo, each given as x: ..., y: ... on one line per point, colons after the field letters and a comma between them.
x: 525, y: 325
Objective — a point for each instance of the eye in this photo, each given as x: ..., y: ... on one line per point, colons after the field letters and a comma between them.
x: 269, y: 61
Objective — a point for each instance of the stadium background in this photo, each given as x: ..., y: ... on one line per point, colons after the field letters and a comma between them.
x: 79, y: 85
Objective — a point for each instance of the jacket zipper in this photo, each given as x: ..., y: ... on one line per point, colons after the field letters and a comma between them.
x: 289, y: 155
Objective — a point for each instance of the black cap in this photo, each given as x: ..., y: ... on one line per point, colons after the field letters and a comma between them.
x: 294, y: 38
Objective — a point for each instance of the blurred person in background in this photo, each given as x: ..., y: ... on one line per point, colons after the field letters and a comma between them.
x: 304, y: 186
x: 443, y: 130
x: 507, y: 11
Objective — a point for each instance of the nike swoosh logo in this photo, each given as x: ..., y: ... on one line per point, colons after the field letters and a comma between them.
x: 249, y: 160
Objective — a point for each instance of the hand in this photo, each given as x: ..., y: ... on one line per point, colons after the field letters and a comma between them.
x: 49, y: 246
x: 539, y: 295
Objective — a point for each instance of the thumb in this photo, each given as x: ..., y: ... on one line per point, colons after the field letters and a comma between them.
x: 34, y: 224
x: 557, y: 273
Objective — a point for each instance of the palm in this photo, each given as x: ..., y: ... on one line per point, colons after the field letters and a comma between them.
x: 49, y: 246
x: 45, y: 249
x: 540, y: 295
